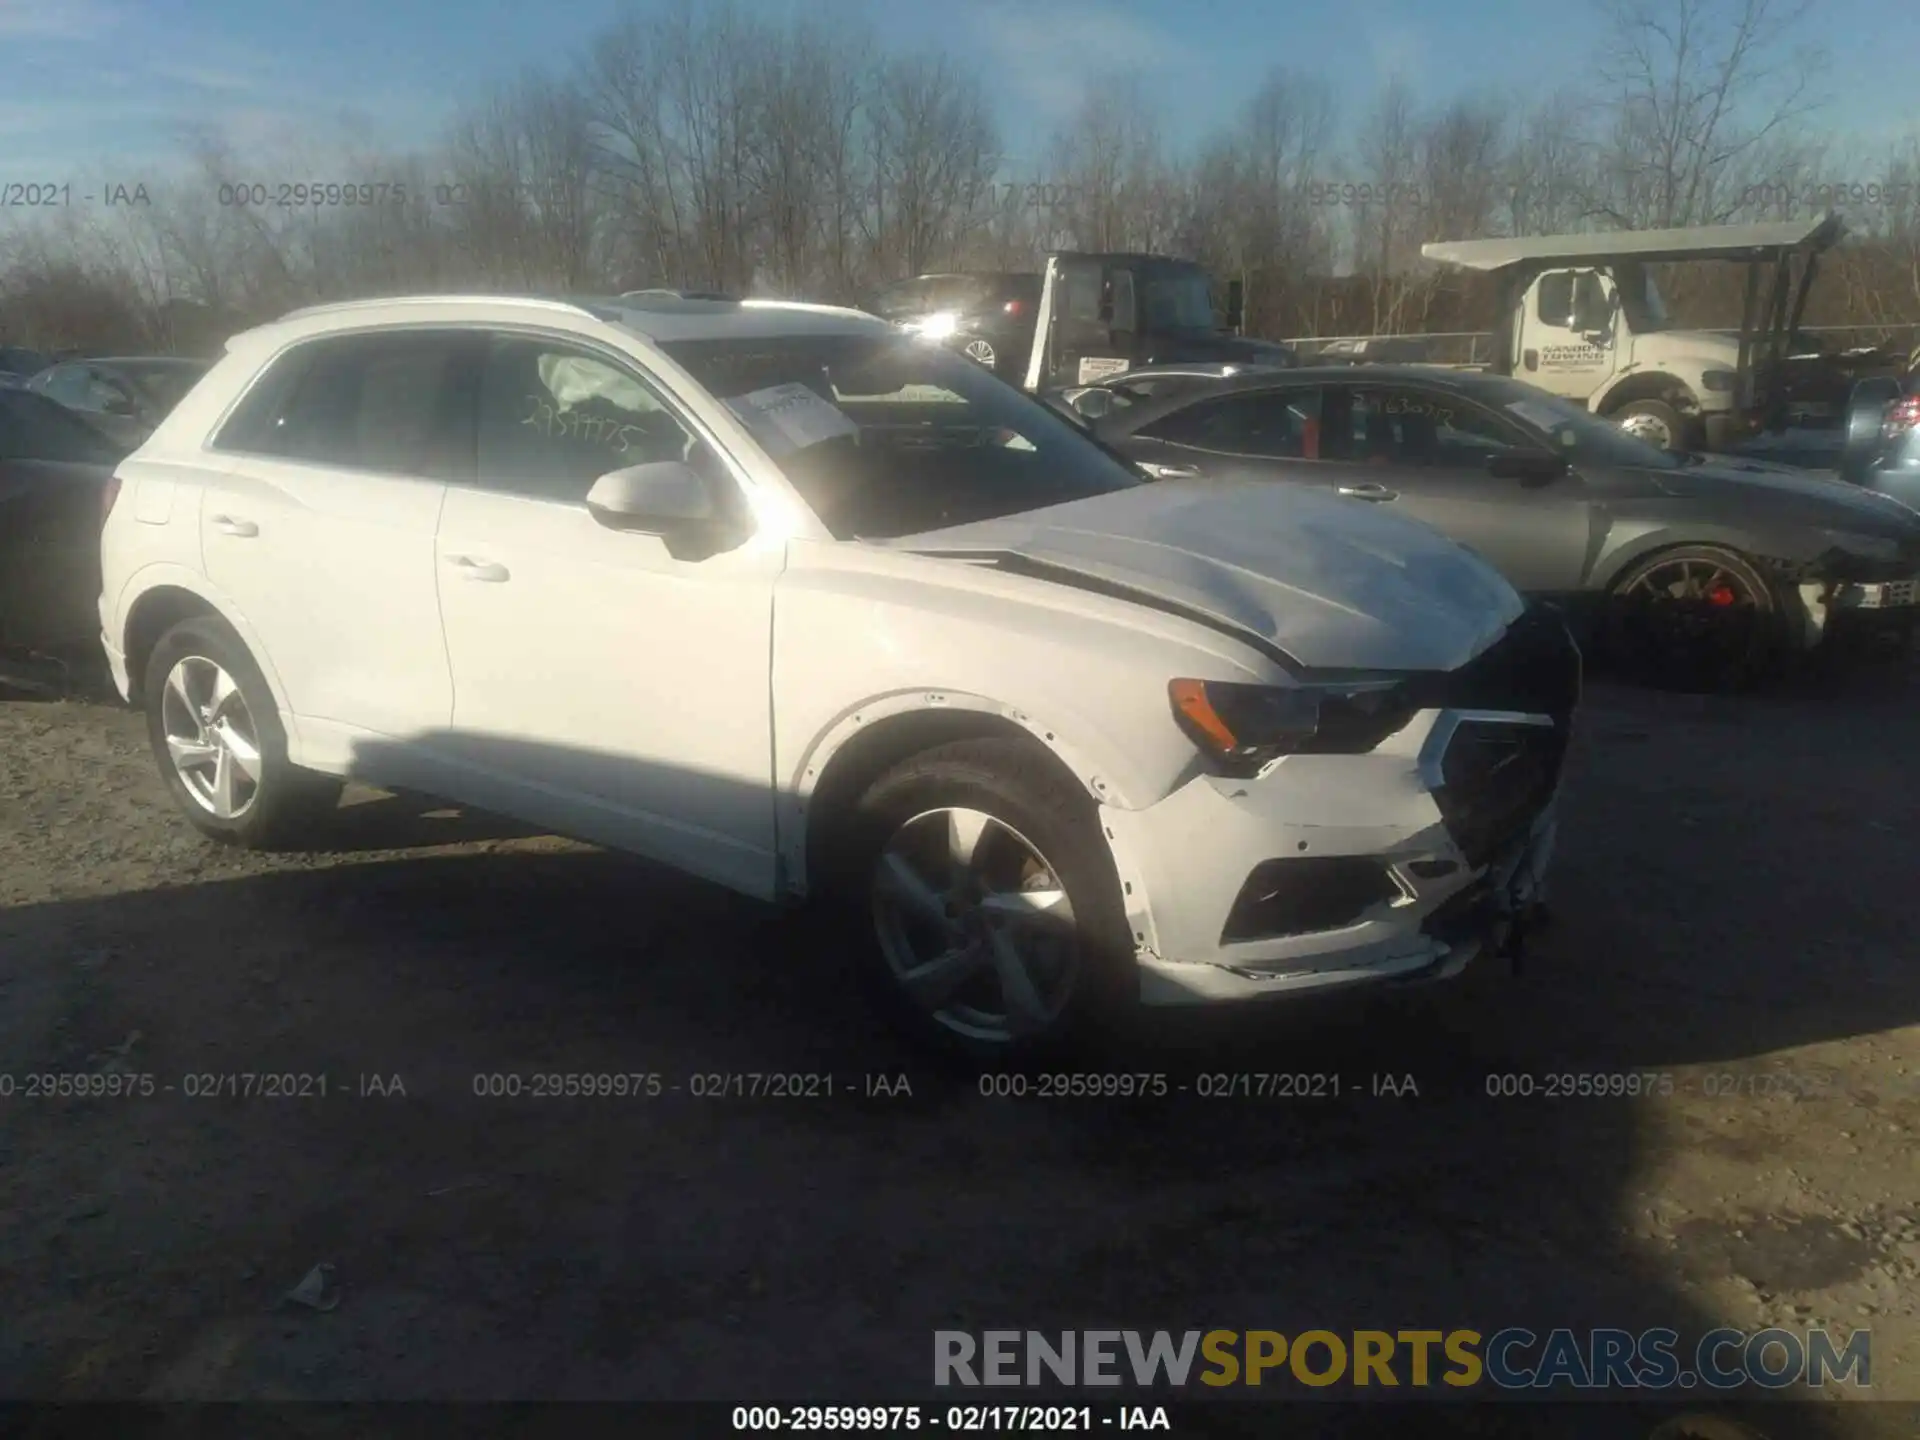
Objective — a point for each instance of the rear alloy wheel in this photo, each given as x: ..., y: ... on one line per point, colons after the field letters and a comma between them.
x: 980, y: 351
x: 216, y: 733
x: 974, y: 880
x: 1653, y: 421
x: 1695, y: 618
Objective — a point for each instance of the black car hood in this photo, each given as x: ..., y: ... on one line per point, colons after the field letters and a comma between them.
x: 1759, y: 489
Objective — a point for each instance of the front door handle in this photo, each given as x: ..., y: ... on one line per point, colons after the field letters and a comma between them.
x: 472, y: 569
x: 227, y: 525
x: 1369, y: 491
x: 1170, y: 472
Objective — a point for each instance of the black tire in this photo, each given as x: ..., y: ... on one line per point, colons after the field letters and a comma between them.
x: 1660, y: 411
x: 1019, y: 786
x: 1645, y: 634
x: 289, y: 803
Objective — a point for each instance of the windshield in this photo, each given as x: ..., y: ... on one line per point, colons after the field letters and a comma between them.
x: 1570, y: 431
x: 1179, y: 301
x: 885, y: 436
x: 163, y: 384
x: 935, y: 292
x: 1640, y: 297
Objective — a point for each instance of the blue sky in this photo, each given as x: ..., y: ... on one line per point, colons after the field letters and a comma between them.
x: 107, y: 87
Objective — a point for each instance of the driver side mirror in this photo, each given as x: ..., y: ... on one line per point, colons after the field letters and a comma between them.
x: 666, y: 498
x: 1094, y: 403
x: 1530, y: 467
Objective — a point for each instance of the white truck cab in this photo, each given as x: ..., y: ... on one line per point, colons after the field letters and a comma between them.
x: 1582, y: 317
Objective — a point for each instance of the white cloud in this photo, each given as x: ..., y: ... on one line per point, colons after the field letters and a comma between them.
x: 207, y: 77
x: 1052, y: 56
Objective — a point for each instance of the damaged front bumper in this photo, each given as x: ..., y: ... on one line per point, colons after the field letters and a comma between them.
x: 1487, y: 917
x: 1845, y: 598
x: 1328, y: 871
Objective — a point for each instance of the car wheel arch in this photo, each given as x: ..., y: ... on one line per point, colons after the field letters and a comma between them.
x: 1648, y: 385
x: 162, y: 605
x: 868, y: 741
x: 1612, y: 566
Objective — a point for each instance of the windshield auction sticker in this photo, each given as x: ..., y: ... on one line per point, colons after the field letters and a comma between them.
x: 790, y: 417
x: 1095, y: 368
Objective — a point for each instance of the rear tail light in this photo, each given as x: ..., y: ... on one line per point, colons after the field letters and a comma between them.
x: 1902, y: 416
x: 1012, y: 307
x: 109, y: 493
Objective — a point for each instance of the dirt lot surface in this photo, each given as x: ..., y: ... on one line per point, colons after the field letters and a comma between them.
x: 1735, y: 899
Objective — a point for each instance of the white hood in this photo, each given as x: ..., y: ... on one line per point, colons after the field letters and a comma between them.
x: 1334, y: 583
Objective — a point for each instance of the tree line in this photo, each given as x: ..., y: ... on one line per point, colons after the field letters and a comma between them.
x: 708, y: 148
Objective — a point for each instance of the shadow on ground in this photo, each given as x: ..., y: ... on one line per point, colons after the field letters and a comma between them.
x: 1723, y: 893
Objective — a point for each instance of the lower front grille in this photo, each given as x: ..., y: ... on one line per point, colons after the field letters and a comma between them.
x: 1305, y: 895
x: 1496, y: 777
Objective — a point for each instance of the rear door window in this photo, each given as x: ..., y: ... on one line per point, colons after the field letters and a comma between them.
x: 398, y: 403
x: 1272, y: 425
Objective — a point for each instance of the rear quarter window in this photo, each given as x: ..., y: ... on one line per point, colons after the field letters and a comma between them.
x: 385, y: 402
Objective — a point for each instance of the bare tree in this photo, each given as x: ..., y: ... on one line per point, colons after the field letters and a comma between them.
x: 802, y: 158
x: 1118, y: 192
x: 522, y: 167
x: 671, y: 99
x: 1547, y: 172
x: 1386, y: 231
x: 1702, y: 98
x: 1248, y: 214
x: 934, y: 154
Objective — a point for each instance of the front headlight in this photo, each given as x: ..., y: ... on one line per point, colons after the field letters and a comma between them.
x: 1242, y: 728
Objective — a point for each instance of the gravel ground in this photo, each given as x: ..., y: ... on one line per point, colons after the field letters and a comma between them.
x: 1734, y: 908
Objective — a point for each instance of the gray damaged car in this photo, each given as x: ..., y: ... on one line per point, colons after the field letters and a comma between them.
x: 1698, y: 572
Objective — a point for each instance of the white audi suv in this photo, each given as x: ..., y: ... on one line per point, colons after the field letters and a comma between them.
x: 817, y: 611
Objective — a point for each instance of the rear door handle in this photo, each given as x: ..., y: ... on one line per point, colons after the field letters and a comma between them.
x: 227, y: 525
x: 1170, y: 472
x: 472, y: 569
x: 1369, y: 491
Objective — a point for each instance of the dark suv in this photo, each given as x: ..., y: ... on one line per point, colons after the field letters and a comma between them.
x: 988, y: 317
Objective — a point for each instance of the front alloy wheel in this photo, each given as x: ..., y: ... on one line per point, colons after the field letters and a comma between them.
x: 212, y: 741
x: 980, y: 351
x: 1695, y: 618
x: 975, y: 926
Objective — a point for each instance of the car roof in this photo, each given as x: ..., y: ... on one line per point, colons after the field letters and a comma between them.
x: 660, y: 318
x: 1463, y: 382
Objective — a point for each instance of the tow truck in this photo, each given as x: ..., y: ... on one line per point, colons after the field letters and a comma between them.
x: 1097, y: 314
x: 1580, y: 316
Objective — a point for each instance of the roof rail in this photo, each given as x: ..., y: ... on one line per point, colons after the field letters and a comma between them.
x: 339, y: 307
x: 661, y: 292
